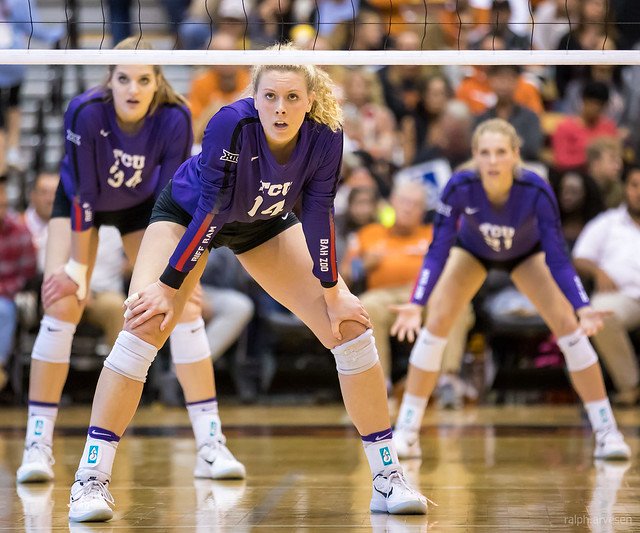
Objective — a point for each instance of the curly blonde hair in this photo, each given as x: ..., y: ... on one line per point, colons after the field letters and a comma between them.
x: 325, y: 108
x: 165, y: 94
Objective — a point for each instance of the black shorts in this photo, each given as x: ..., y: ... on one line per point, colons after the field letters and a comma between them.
x: 239, y: 237
x: 508, y: 265
x: 126, y: 220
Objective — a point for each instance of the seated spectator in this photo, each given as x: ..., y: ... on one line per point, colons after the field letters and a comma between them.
x: 269, y: 22
x: 38, y: 212
x: 17, y: 266
x: 570, y: 140
x: 477, y: 93
x: 421, y: 127
x: 579, y: 201
x: 595, y: 22
x: 401, y: 83
x: 216, y: 87
x: 607, y: 74
x: 604, y: 166
x: 499, y: 19
x: 362, y: 209
x: 503, y: 80
x: 369, y: 125
x: 451, y: 140
x: 607, y: 253
x: 552, y: 22
x: 390, y: 259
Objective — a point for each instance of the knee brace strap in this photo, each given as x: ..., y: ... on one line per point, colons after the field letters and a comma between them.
x: 53, y: 343
x: 577, y: 350
x: 357, y: 355
x: 131, y: 357
x: 427, y: 351
x: 189, y: 343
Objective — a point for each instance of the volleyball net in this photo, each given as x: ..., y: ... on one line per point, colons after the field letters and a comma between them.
x: 328, y: 32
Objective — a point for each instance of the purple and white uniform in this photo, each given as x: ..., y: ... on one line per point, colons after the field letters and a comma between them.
x: 106, y: 169
x: 237, y: 179
x: 530, y: 217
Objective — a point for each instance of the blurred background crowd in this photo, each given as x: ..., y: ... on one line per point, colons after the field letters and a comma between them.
x: 407, y: 128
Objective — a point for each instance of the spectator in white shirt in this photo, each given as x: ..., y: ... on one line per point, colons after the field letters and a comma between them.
x: 607, y: 253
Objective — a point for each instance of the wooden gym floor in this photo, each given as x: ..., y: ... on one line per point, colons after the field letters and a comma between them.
x: 489, y: 469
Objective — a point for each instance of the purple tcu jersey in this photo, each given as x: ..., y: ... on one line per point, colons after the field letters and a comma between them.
x: 237, y: 179
x: 106, y: 169
x: 529, y: 217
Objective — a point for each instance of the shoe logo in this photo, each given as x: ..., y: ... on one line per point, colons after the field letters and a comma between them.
x: 92, y: 456
x: 385, y: 436
x: 255, y: 157
x: 471, y: 210
x: 385, y: 455
x: 39, y: 427
x: 104, y: 133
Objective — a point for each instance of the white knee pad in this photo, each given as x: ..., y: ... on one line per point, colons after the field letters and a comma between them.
x: 131, y: 357
x: 53, y: 343
x: 189, y: 343
x: 357, y: 355
x: 577, y: 350
x: 427, y: 351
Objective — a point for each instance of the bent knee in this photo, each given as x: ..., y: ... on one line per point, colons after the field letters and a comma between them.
x: 150, y: 331
x: 67, y: 309
x: 350, y: 329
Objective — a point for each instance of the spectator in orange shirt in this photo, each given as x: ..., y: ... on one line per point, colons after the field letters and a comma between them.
x: 390, y: 259
x: 216, y: 87
x: 475, y: 90
x: 574, y: 133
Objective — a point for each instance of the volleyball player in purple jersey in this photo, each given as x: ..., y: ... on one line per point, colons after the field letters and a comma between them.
x: 500, y: 216
x: 259, y: 156
x: 124, y: 141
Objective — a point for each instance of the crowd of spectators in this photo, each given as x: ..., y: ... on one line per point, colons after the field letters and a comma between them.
x: 413, y: 122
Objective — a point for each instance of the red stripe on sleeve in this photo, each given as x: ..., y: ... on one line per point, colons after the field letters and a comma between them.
x: 194, y: 242
x: 77, y: 215
x: 332, y: 257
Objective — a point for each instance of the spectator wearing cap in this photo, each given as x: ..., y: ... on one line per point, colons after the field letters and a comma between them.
x: 572, y: 136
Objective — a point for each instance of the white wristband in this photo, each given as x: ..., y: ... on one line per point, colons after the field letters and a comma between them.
x: 78, y: 273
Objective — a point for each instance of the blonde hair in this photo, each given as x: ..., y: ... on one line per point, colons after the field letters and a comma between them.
x: 325, y: 108
x: 165, y: 94
x: 496, y: 125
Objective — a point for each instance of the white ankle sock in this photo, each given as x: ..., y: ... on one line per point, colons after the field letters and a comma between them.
x: 411, y: 413
x: 205, y: 421
x: 601, y: 416
x: 380, y: 450
x: 40, y: 423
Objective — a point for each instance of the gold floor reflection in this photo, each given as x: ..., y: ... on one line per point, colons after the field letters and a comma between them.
x: 488, y: 469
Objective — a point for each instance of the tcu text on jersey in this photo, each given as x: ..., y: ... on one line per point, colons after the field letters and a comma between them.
x: 273, y: 190
x: 136, y: 162
x: 497, y: 237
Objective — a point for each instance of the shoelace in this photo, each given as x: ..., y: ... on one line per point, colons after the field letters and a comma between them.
x: 396, y: 477
x: 94, y: 488
x: 37, y: 450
